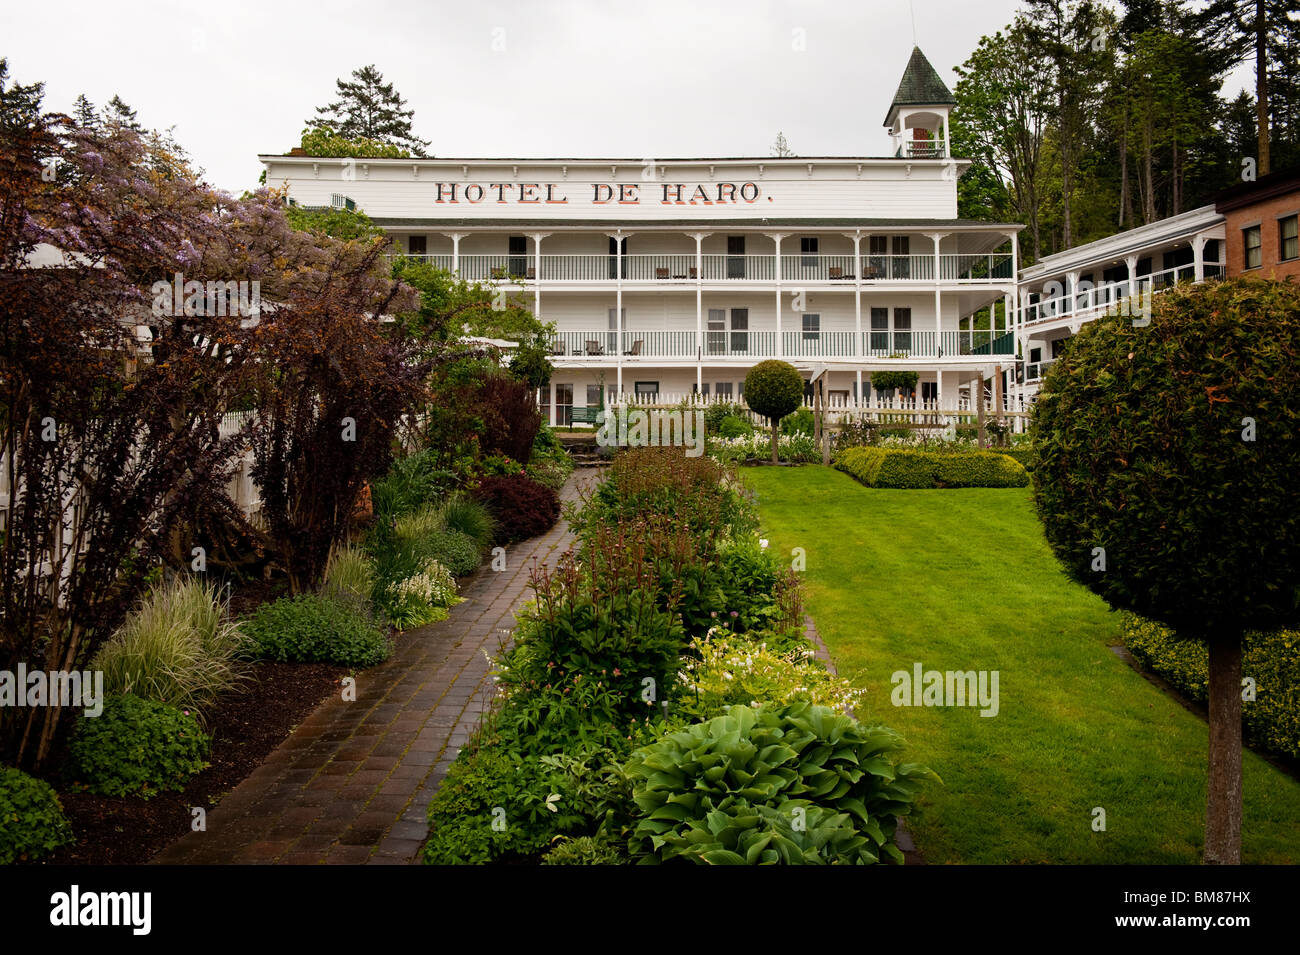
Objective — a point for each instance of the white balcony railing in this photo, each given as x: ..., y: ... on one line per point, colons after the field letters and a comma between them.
x: 1102, y: 297
x: 684, y: 267
x: 603, y: 345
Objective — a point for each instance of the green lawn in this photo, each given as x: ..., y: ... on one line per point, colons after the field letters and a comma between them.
x: 963, y: 580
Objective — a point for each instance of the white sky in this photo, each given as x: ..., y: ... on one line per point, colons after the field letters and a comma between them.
x: 647, y: 79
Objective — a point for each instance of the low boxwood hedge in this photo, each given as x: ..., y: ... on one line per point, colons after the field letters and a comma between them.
x: 905, y: 468
x: 1272, y: 660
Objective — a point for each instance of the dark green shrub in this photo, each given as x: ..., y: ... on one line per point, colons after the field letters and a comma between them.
x: 136, y: 747
x: 1272, y: 660
x: 718, y: 412
x: 32, y: 823
x: 1167, y: 478
x: 520, y: 506
x: 458, y: 552
x: 773, y: 389
x: 310, y: 628
x: 799, y: 784
x: 1023, y: 453
x: 733, y: 427
x: 801, y: 422
x: 905, y: 468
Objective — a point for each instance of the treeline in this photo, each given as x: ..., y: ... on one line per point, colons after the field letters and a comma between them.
x: 1085, y: 120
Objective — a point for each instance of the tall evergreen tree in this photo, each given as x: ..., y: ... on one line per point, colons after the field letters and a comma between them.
x: 1262, y: 30
x: 118, y: 112
x: 781, y: 148
x: 19, y: 105
x: 84, y: 114
x: 369, y: 108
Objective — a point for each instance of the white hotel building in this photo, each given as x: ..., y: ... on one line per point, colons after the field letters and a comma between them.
x: 666, y: 277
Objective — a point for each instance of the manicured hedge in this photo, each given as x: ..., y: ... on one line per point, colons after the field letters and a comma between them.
x: 902, y: 468
x: 1272, y: 660
x: 1025, y: 454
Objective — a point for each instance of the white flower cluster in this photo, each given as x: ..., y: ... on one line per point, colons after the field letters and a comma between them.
x: 433, y: 585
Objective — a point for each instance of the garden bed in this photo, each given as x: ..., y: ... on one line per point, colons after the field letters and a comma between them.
x: 246, y: 727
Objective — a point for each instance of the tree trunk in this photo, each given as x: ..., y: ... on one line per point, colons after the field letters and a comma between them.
x: 775, y: 427
x: 1223, y: 802
x: 1261, y: 83
x: 1125, y: 215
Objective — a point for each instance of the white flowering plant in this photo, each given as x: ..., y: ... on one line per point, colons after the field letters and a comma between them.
x: 724, y: 669
x: 424, y: 597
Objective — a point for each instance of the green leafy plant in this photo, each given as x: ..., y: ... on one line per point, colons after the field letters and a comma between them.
x: 422, y: 598
x: 462, y: 513
x: 180, y: 646
x: 136, y: 747
x: 311, y: 628
x: 32, y: 823
x: 800, y: 422
x: 349, y: 577
x: 584, y: 850
x: 458, y: 552
x: 733, y: 427
x: 798, y: 784
x: 906, y: 468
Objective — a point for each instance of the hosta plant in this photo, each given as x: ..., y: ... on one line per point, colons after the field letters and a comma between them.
x: 796, y: 784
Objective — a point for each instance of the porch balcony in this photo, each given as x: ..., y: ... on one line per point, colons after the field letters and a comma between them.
x: 606, y: 346
x: 683, y: 267
x: 1086, y: 304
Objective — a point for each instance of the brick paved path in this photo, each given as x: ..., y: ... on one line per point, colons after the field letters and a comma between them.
x: 352, y: 783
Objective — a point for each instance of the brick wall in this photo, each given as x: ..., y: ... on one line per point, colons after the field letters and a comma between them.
x: 1267, y: 215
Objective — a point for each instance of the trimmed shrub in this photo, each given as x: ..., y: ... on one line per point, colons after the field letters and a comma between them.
x: 774, y: 389
x: 458, y: 552
x: 1272, y: 719
x: 32, y: 823
x: 179, y: 647
x: 136, y: 747
x: 521, y: 507
x: 902, y: 468
x: 310, y: 628
x: 798, y: 784
x: 1025, y: 454
x: 733, y: 427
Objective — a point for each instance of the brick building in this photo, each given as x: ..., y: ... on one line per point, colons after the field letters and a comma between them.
x: 1261, y: 222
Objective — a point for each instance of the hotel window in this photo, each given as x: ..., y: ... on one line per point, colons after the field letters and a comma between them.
x: 595, y: 396
x: 929, y: 391
x: 518, y: 250
x: 1252, y: 242
x: 902, y: 257
x: 647, y: 389
x: 880, y: 331
x: 903, y: 329
x: 812, y: 326
x: 563, y: 405
x: 1288, y: 244
x: 877, y: 266
x: 808, y: 248
x: 416, y: 245
x: 723, y: 389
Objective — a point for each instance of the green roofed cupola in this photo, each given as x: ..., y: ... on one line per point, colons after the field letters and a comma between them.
x: 918, y: 116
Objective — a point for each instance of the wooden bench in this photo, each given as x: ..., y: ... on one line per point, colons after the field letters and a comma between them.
x: 588, y: 414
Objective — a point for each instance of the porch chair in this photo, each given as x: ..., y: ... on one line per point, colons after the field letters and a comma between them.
x: 594, y: 347
x: 636, y: 347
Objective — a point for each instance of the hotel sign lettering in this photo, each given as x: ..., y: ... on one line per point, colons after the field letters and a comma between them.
x: 598, y: 193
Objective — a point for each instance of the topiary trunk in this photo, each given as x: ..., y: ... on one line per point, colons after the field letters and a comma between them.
x: 775, y: 422
x: 1223, y: 802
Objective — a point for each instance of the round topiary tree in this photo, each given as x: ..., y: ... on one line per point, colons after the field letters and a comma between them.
x: 773, y: 389
x: 1167, y: 481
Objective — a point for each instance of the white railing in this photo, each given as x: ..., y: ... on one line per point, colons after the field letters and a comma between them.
x: 922, y: 149
x: 714, y: 267
x: 606, y: 344
x: 1091, y: 298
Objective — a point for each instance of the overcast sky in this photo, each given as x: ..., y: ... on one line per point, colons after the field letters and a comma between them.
x: 501, y: 78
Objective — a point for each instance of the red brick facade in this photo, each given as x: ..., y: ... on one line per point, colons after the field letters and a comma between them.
x: 1271, y: 205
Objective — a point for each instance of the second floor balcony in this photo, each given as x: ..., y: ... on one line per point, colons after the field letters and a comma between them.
x: 605, y: 346
x: 687, y: 268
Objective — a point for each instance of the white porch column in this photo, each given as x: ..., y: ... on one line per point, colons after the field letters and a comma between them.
x: 1198, y: 257
x: 618, y: 238
x: 699, y: 238
x: 552, y: 405
x: 1072, y: 278
x: 937, y: 237
x: 857, y: 297
x: 455, y: 249
x: 537, y: 238
x: 776, y: 237
x: 857, y: 395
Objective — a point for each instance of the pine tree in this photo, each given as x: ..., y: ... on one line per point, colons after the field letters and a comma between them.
x: 19, y: 105
x: 83, y: 112
x: 118, y: 112
x: 781, y: 149
x: 369, y: 108
x: 1262, y: 30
